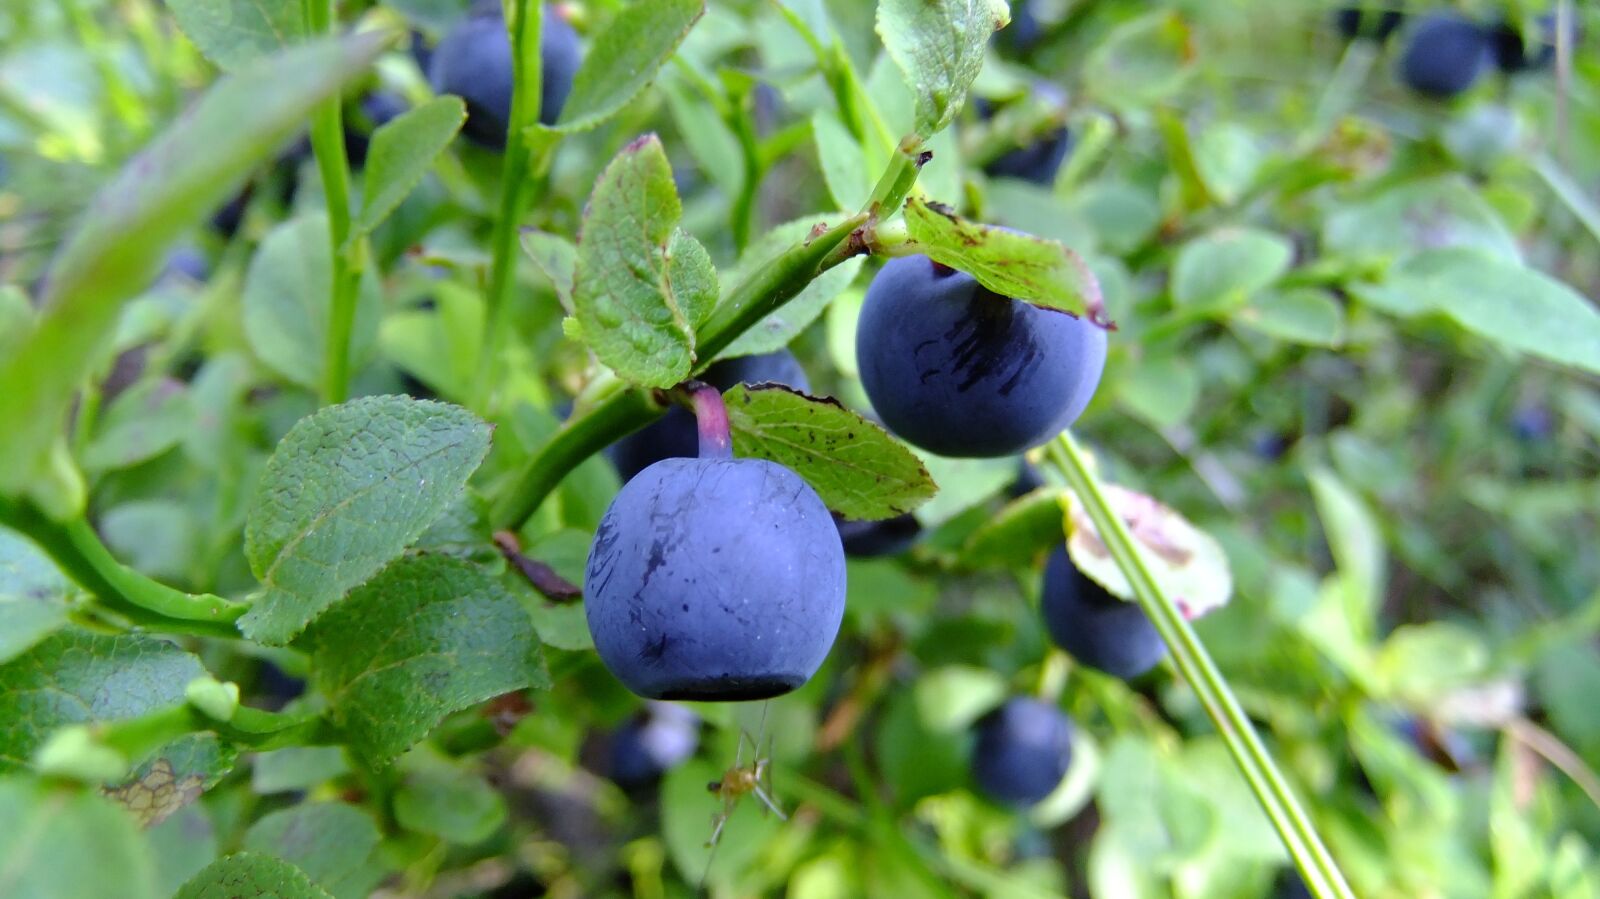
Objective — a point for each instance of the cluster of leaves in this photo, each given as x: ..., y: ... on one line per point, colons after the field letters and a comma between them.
x: 253, y: 638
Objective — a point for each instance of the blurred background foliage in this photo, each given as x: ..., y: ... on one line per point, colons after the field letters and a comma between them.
x: 1400, y: 458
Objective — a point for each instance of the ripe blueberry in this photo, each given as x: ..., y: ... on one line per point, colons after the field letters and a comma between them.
x: 889, y: 537
x: 961, y: 371
x: 652, y: 744
x: 673, y: 435
x: 375, y: 110
x: 1022, y: 752
x: 1445, y: 55
x: 474, y: 63
x: 1098, y: 629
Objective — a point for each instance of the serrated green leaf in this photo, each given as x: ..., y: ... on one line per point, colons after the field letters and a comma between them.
x: 118, y: 249
x: 1025, y: 529
x: 428, y: 636
x: 174, y: 777
x: 854, y: 465
x: 286, y: 302
x: 785, y: 323
x: 140, y: 424
x: 1515, y: 307
x: 33, y: 595
x: 1140, y: 62
x: 346, y: 492
x: 642, y: 287
x: 449, y: 803
x: 333, y: 843
x: 62, y: 844
x: 74, y: 677
x: 624, y: 57
x: 1224, y: 269
x: 557, y: 257
x: 402, y: 151
x: 233, y: 33
x: 939, y: 47
x: 246, y: 875
x: 1019, y: 266
x: 1306, y: 315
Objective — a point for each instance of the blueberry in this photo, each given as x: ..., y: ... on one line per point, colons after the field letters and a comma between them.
x: 187, y: 262
x: 652, y: 744
x: 1098, y: 629
x: 1029, y: 479
x: 1532, y: 423
x: 1022, y: 752
x: 961, y: 371
x: 868, y: 539
x: 1445, y: 55
x: 375, y: 110
x: 1365, y: 21
x: 673, y: 435
x: 1510, y: 51
x: 715, y: 580
x: 474, y: 62
x: 1039, y: 161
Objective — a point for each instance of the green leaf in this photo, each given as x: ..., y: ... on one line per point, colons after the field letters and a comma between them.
x: 346, y: 492
x: 1143, y: 794
x: 1022, y: 531
x: 1019, y: 266
x: 296, y: 768
x: 181, y: 846
x: 65, y: 844
x: 449, y: 803
x: 854, y: 465
x: 1356, y: 544
x: 1518, y: 308
x: 174, y: 777
x: 916, y: 760
x: 843, y: 161
x: 1420, y: 664
x: 16, y: 318
x: 1224, y: 269
x: 557, y: 258
x: 1161, y: 390
x: 155, y: 537
x: 688, y: 810
x: 74, y: 677
x: 427, y: 637
x: 140, y: 424
x: 1305, y: 315
x: 402, y: 151
x: 286, y: 301
x: 333, y: 843
x: 246, y: 875
x: 939, y: 46
x: 33, y: 595
x: 624, y: 57
x: 118, y: 249
x: 1436, y: 213
x: 785, y: 323
x: 233, y: 33
x: 1141, y: 62
x: 951, y: 698
x: 642, y: 287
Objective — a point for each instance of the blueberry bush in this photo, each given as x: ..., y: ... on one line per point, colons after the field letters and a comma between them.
x: 814, y: 448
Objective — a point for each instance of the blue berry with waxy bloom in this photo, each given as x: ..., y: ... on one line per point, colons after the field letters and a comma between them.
x: 1022, y: 752
x: 1444, y: 56
x: 1095, y: 627
x: 473, y: 62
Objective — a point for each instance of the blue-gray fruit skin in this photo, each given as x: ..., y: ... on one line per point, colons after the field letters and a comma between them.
x: 474, y: 63
x: 652, y: 744
x: 715, y: 580
x: 872, y: 539
x: 1445, y: 56
x: 1022, y: 752
x: 673, y: 435
x: 1096, y: 628
x: 961, y: 371
x: 1038, y: 162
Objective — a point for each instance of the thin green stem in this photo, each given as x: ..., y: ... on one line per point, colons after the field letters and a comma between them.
x: 516, y: 190
x: 1294, y: 826
x: 327, y: 141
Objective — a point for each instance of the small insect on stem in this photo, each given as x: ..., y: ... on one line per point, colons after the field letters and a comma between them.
x: 754, y: 779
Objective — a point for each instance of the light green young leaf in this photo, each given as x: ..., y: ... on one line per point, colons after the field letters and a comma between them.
x: 75, y: 677
x: 854, y: 465
x: 250, y: 875
x: 69, y: 845
x: 624, y: 57
x: 1306, y: 315
x: 1356, y: 544
x: 1224, y: 269
x: 843, y: 161
x: 118, y: 249
x: 939, y: 47
x: 785, y: 323
x: 346, y: 492
x: 332, y: 842
x: 642, y: 287
x: 140, y: 424
x: 1162, y: 390
x: 33, y: 595
x: 1019, y: 266
x: 428, y: 636
x: 233, y: 33
x: 1140, y: 62
x: 286, y: 300
x: 402, y: 151
x: 1518, y: 308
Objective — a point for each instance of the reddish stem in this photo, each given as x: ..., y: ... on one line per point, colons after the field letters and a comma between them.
x: 712, y: 418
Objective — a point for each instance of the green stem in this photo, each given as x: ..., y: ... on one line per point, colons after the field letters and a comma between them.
x: 1316, y: 864
x: 327, y: 141
x: 77, y: 550
x: 516, y: 181
x: 898, y: 180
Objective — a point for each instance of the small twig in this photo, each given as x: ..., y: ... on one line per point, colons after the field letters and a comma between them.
x: 551, y: 585
x: 1556, y: 753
